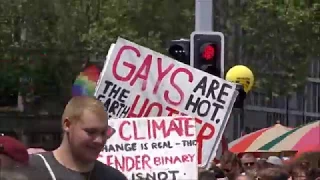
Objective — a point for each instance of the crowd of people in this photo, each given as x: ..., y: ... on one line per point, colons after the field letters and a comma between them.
x: 247, y: 167
x: 84, y: 124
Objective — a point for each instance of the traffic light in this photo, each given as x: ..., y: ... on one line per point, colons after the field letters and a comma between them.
x: 179, y: 50
x: 207, y: 52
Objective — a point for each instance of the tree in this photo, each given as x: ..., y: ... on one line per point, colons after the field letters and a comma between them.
x: 150, y: 23
x: 41, y: 42
x: 48, y: 41
x: 280, y: 37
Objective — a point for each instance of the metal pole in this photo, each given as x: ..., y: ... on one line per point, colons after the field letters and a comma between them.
x: 204, y: 15
x: 287, y: 110
x: 235, y: 126
x: 304, y: 110
x: 304, y: 107
x: 241, y: 123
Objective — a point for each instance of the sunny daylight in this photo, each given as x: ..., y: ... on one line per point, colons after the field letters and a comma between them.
x: 159, y: 90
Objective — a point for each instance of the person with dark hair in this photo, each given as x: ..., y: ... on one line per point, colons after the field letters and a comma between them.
x: 310, y: 159
x: 299, y: 171
x: 272, y: 174
x: 230, y: 164
x: 262, y: 164
x: 206, y: 175
x: 217, y: 171
x: 314, y: 174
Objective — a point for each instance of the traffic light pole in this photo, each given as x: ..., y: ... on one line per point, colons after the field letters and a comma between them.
x: 204, y: 15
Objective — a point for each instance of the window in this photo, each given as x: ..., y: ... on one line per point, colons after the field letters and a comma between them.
x: 272, y: 118
x: 301, y: 98
x: 318, y: 103
x: 314, y: 69
x: 277, y: 102
x: 256, y: 98
x: 313, y: 97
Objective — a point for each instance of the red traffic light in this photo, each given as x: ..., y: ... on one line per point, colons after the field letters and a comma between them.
x: 208, y: 52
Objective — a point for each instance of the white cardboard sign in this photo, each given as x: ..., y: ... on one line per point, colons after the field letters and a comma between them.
x: 139, y: 82
x: 162, y: 148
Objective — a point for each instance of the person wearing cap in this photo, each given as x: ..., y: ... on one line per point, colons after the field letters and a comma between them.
x: 274, y: 161
x: 12, y: 153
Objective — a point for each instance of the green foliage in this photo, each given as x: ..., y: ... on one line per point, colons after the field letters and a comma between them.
x: 50, y: 54
x: 60, y: 35
x: 282, y: 36
x: 150, y: 24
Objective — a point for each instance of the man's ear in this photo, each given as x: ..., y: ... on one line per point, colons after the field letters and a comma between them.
x: 66, y: 125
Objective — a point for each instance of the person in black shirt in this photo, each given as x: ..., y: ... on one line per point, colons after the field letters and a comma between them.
x: 85, y: 126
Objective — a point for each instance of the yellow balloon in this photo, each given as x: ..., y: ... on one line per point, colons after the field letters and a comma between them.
x: 242, y: 75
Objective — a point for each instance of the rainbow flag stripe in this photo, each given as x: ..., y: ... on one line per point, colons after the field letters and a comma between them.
x: 86, y: 82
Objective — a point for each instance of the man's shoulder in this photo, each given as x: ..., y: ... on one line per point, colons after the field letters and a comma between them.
x: 35, y: 159
x: 109, y: 172
x: 37, y: 167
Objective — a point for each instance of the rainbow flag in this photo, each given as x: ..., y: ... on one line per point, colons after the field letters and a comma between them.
x: 86, y: 82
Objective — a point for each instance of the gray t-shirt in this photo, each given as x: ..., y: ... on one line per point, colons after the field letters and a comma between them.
x: 39, y: 170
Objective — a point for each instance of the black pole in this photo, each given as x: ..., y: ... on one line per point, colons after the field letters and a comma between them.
x: 303, y: 110
x: 241, y: 121
x: 1, y: 150
x: 235, y: 125
x: 287, y: 110
x: 239, y: 105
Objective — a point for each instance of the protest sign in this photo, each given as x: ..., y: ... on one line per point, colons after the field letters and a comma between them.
x: 105, y: 66
x: 153, y: 148
x: 139, y: 82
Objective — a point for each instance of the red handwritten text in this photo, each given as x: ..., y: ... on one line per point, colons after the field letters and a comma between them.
x: 206, y: 132
x: 143, y: 73
x: 180, y: 126
x: 145, y: 162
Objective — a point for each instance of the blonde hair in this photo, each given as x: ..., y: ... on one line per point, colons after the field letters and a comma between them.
x: 77, y: 105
